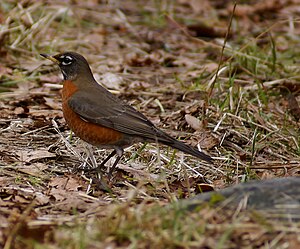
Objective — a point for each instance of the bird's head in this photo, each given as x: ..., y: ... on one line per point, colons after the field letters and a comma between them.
x: 72, y: 65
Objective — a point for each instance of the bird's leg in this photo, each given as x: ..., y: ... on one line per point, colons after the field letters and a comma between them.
x: 119, y: 152
x: 113, y: 167
x: 99, y: 168
x: 107, y: 158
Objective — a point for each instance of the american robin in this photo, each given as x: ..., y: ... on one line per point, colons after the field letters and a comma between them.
x: 100, y: 118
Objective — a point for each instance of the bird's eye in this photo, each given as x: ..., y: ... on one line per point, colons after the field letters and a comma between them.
x: 66, y: 60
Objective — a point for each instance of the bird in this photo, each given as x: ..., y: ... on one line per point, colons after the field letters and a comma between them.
x: 100, y: 118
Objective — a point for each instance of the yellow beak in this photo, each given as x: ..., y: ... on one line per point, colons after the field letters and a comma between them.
x: 51, y: 58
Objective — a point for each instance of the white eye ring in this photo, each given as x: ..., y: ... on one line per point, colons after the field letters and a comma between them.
x: 66, y: 60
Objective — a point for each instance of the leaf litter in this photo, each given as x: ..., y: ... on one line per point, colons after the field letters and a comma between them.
x: 161, y: 59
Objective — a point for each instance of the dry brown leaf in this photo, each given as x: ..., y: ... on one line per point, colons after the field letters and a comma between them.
x: 198, y: 6
x: 28, y: 156
x: 51, y: 102
x: 195, y: 123
x: 70, y: 184
x: 140, y: 174
x: 204, y: 187
x: 41, y: 198
x: 19, y: 110
x: 242, y: 10
x: 35, y: 113
x: 63, y: 188
x: 34, y: 169
x: 206, y: 140
x: 211, y: 67
x: 110, y: 80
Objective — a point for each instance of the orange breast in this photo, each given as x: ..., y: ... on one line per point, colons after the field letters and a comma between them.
x: 92, y: 133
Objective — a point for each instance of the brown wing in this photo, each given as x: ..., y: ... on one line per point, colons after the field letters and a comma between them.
x: 107, y: 110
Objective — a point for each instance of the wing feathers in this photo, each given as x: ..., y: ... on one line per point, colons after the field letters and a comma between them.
x: 110, y: 112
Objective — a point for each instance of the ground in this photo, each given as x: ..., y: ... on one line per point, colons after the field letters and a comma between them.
x: 216, y: 75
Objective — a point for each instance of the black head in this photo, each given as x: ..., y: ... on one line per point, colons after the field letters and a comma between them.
x: 72, y: 65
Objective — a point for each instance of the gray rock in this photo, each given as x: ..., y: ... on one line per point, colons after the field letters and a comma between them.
x: 277, y: 198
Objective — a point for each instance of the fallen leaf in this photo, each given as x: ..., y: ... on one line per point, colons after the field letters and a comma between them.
x: 110, y: 80
x: 206, y: 140
x: 28, y: 156
x: 140, y: 174
x: 51, y: 102
x: 204, y: 187
x: 70, y: 183
x: 198, y: 6
x: 195, y: 123
x: 19, y: 110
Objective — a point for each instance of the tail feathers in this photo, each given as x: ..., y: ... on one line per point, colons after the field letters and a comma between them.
x: 176, y: 144
x: 191, y: 150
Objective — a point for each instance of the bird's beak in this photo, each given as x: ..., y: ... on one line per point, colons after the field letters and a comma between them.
x: 51, y: 58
